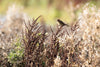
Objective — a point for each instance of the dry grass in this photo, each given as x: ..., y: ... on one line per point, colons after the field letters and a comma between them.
x: 76, y: 45
x: 69, y: 46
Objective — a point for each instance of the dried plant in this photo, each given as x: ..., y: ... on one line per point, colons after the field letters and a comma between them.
x: 76, y: 45
x: 34, y: 44
x: 89, y: 26
x: 9, y: 32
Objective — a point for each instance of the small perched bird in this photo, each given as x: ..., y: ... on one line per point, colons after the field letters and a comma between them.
x: 62, y: 23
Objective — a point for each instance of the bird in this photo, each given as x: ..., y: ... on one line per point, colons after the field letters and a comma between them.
x: 62, y: 23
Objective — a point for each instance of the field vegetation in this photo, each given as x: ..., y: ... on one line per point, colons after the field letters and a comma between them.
x: 60, y: 33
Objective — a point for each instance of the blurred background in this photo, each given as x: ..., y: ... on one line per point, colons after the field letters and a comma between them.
x: 67, y: 10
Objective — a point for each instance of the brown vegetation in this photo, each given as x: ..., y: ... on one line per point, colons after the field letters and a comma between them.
x: 76, y: 45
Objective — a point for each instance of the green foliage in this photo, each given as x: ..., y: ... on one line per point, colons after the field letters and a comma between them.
x: 16, y: 54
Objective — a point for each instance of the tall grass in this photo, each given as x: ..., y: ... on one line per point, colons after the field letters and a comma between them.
x: 74, y: 45
x: 69, y: 46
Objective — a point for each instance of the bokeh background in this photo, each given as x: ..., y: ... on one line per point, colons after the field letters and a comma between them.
x: 67, y: 10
